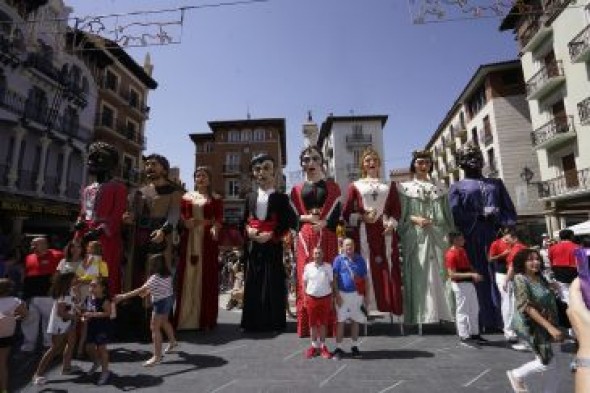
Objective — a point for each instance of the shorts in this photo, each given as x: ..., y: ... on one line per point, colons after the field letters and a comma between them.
x: 6, y: 342
x: 99, y: 333
x: 319, y: 309
x: 351, y: 308
x: 163, y: 306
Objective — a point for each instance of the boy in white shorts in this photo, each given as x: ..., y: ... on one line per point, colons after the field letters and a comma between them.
x: 350, y: 295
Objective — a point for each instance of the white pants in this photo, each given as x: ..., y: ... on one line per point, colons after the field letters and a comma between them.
x: 467, y: 309
x: 542, y: 378
x: 39, y: 309
x: 507, y: 307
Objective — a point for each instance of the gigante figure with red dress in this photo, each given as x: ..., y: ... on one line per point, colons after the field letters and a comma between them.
x: 197, y: 288
x: 372, y: 208
x: 317, y: 202
x: 103, y: 204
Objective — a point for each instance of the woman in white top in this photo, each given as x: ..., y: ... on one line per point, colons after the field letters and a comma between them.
x: 11, y: 309
x: 159, y: 286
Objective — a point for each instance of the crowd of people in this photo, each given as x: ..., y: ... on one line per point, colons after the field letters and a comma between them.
x: 462, y: 262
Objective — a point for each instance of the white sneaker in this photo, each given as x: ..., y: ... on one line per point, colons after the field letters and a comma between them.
x: 521, y: 347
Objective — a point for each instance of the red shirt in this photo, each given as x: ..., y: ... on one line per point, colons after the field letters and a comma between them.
x: 562, y: 254
x: 513, y: 251
x: 42, y: 265
x: 497, y: 247
x: 456, y: 259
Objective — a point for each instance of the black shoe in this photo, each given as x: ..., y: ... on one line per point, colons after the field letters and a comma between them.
x: 337, y: 354
x: 479, y: 339
x: 468, y: 342
x: 355, y: 352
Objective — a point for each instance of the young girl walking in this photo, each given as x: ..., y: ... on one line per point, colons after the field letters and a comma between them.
x: 11, y: 309
x: 97, y: 315
x: 159, y: 286
x: 61, y: 326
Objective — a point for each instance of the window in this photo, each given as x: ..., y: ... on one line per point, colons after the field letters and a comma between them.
x: 452, y: 132
x: 246, y: 135
x: 131, y: 130
x: 208, y: 147
x: 474, y: 136
x: 487, y: 131
x: 357, y: 129
x: 133, y: 98
x: 232, y: 188
x: 70, y: 121
x: 233, y: 136
x: 259, y: 135
x: 36, y: 105
x: 107, y: 117
x: 491, y: 159
x: 477, y: 102
x: 111, y: 81
x: 232, y: 158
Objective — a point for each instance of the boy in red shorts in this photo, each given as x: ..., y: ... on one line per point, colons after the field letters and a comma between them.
x: 317, y: 284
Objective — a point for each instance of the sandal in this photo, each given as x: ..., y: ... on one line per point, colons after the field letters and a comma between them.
x: 152, y: 362
x: 39, y: 380
x: 517, y: 385
x: 171, y: 347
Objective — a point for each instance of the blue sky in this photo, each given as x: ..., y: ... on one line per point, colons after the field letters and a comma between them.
x: 285, y: 57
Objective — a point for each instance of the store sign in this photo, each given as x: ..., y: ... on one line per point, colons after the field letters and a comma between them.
x: 25, y: 207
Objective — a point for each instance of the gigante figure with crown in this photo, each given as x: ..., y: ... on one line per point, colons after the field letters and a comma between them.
x: 372, y: 208
x: 423, y: 227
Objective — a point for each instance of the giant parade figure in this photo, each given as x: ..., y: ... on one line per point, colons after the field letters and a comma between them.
x: 103, y: 204
x: 317, y: 202
x: 154, y: 211
x: 372, y: 208
x: 268, y: 216
x: 423, y: 227
x: 481, y: 206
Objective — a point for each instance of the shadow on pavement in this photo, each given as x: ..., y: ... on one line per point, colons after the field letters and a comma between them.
x: 123, y: 355
x: 393, y: 354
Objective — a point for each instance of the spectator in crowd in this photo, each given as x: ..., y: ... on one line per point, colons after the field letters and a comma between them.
x: 563, y: 261
x: 11, y: 309
x: 463, y: 276
x: 516, y: 245
x: 536, y: 321
x: 350, y: 296
x: 40, y: 266
x: 579, y: 316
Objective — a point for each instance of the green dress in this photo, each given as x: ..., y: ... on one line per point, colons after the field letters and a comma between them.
x: 427, y: 298
x: 536, y: 294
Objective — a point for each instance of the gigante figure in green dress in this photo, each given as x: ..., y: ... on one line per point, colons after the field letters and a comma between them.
x: 425, y: 221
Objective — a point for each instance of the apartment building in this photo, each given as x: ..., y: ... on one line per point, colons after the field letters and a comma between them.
x: 121, y: 105
x: 228, y: 149
x: 492, y: 112
x: 554, y: 47
x: 342, y: 139
x: 47, y: 110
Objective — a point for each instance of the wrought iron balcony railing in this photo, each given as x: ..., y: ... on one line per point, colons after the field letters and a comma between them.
x: 584, y: 111
x: 359, y: 139
x: 569, y: 183
x: 552, y: 129
x: 543, y: 76
x: 580, y: 45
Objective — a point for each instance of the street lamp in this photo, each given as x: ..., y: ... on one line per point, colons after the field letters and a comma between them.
x: 527, y: 175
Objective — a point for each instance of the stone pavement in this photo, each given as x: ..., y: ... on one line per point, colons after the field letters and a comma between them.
x: 228, y: 361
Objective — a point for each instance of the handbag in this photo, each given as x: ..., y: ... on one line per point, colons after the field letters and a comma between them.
x: 360, y: 283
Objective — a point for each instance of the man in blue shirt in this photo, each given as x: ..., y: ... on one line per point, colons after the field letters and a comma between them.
x: 350, y: 295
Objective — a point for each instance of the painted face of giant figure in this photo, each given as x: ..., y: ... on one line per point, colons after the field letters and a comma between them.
x: 469, y: 158
x: 262, y: 168
x: 370, y: 164
x: 312, y: 160
x: 102, y: 158
x: 156, y: 167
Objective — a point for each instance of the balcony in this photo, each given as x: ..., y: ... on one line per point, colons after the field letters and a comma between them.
x: 8, y: 52
x: 139, y: 106
x: 554, y: 132
x: 35, y: 113
x: 545, y: 80
x: 26, y: 180
x: 358, y: 139
x: 567, y: 185
x: 579, y: 47
x: 43, y: 66
x: 534, y: 34
x: 554, y: 7
x: 13, y: 102
x: 584, y: 111
x: 232, y: 168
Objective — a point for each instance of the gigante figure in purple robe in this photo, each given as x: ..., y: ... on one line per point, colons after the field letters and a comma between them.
x: 481, y: 206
